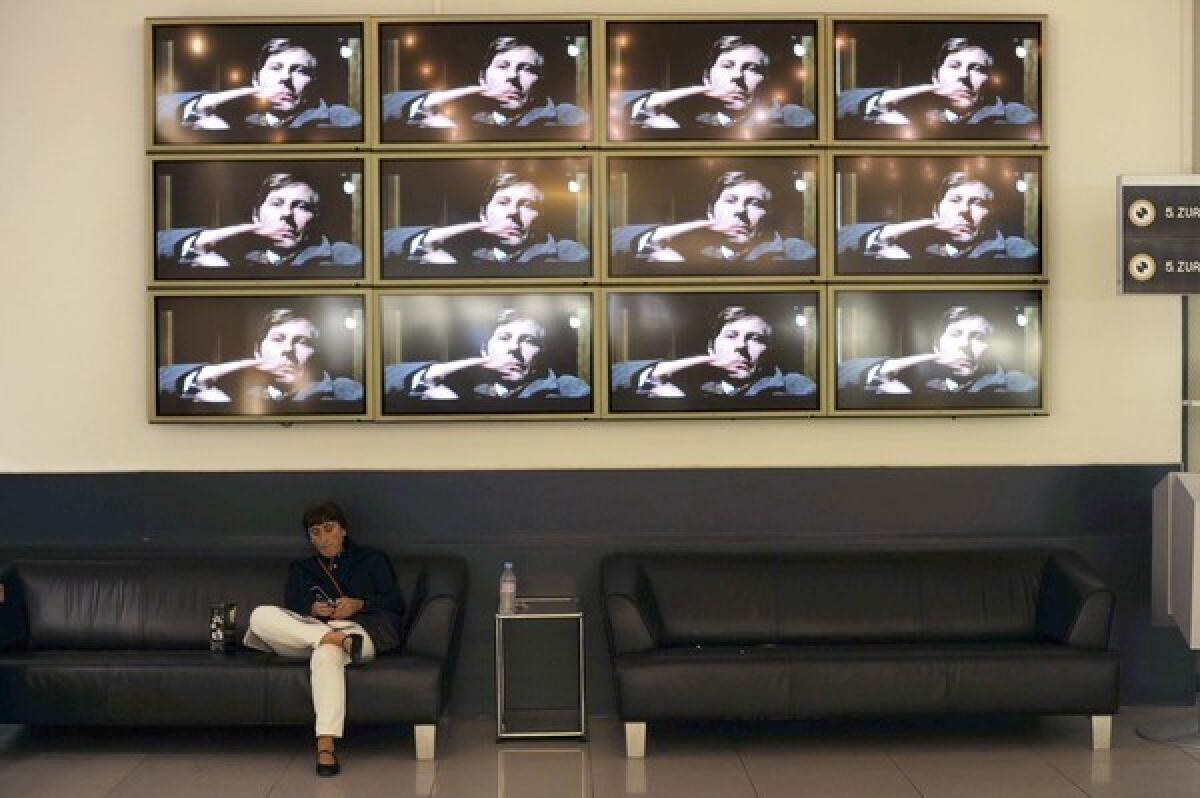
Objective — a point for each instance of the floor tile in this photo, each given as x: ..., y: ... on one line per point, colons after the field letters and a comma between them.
x: 72, y: 774
x: 230, y: 774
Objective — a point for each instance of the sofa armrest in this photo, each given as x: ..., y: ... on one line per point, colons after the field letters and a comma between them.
x: 629, y: 607
x: 1074, y: 605
x: 14, y: 625
x: 436, y: 620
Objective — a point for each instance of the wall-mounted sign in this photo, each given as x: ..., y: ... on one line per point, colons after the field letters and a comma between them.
x: 1159, y: 234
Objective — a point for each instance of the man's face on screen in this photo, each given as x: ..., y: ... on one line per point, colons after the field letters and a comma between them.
x: 963, y: 75
x: 739, y: 347
x: 284, y: 78
x: 510, y: 77
x: 512, y: 212
x: 736, y: 76
x: 287, y: 352
x: 963, y: 211
x: 964, y: 345
x: 515, y: 349
x: 286, y: 215
x: 739, y: 211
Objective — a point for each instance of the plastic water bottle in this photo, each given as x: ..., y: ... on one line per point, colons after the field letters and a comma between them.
x: 508, y: 590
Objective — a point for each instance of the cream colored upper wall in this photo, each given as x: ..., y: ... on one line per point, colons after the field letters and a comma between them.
x: 73, y: 326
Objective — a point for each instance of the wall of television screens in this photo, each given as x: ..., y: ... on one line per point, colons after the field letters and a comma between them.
x: 362, y: 218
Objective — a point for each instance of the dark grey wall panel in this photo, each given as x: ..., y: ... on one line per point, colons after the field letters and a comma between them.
x: 557, y: 525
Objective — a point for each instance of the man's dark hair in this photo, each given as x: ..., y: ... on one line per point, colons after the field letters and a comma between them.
x: 953, y: 180
x: 725, y: 44
x: 735, y: 313
x: 278, y: 180
x: 279, y: 45
x: 278, y: 316
x: 321, y: 513
x: 500, y: 181
x: 729, y: 180
x: 503, y: 44
x: 953, y: 314
x: 956, y: 44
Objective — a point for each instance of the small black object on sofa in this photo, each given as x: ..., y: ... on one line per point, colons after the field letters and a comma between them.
x: 797, y: 636
x: 127, y: 642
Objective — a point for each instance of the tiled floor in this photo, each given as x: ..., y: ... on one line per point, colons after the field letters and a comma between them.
x: 979, y: 758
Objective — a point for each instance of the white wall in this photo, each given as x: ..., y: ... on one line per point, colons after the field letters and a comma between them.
x: 73, y: 321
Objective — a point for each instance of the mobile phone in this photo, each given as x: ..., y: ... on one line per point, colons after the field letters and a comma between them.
x: 319, y: 594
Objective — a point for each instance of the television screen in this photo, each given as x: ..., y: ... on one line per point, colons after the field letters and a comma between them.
x: 486, y: 217
x: 220, y: 355
x: 260, y: 220
x: 737, y: 216
x: 257, y: 83
x: 933, y: 214
x: 715, y: 352
x: 485, y: 81
x: 486, y: 354
x: 938, y: 349
x: 925, y: 80
x: 712, y: 80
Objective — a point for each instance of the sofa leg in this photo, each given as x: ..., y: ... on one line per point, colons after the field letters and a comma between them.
x: 635, y: 740
x: 425, y: 737
x: 1101, y: 732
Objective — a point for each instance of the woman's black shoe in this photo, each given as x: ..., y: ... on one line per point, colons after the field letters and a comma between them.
x: 356, y: 649
x: 327, y: 770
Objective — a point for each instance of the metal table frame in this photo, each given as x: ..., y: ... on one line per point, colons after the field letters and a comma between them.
x: 531, y: 609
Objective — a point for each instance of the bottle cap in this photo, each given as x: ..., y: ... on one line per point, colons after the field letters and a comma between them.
x: 508, y: 565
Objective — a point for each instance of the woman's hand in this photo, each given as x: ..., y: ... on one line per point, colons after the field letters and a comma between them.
x: 345, y: 607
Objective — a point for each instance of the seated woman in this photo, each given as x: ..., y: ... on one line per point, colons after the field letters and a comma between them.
x: 342, y: 607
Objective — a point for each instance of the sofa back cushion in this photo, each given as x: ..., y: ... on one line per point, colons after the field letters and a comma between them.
x: 904, y: 597
x: 155, y: 604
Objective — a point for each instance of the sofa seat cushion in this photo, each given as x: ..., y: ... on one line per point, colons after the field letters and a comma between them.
x: 197, y: 687
x: 812, y: 681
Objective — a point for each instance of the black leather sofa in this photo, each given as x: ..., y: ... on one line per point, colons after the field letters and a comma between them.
x: 802, y: 636
x: 126, y: 642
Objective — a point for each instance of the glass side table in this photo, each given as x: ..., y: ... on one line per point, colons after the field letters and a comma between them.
x: 539, y: 669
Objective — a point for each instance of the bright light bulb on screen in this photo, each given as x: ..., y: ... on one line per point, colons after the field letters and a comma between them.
x: 346, y: 51
x: 574, y: 322
x: 800, y: 50
x: 801, y: 321
x: 351, y: 323
x: 348, y: 187
x: 573, y: 50
x: 1021, y: 51
x: 801, y: 184
x: 1022, y: 186
x: 1021, y: 320
x: 573, y: 186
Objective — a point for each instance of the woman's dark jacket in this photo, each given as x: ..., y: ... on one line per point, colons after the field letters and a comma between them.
x: 363, y: 573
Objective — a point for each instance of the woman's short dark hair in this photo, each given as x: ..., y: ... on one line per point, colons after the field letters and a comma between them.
x: 322, y: 513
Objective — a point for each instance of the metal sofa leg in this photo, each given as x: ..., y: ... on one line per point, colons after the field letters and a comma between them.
x: 1101, y: 732
x: 425, y: 737
x: 635, y: 740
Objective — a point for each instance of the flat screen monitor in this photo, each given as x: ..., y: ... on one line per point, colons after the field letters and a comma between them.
x: 727, y: 352
x: 511, y: 354
x: 450, y: 218
x: 257, y: 83
x: 258, y: 219
x: 485, y: 81
x: 712, y: 80
x: 939, y: 350
x: 929, y: 80
x: 938, y: 215
x: 672, y: 216
x: 259, y: 355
